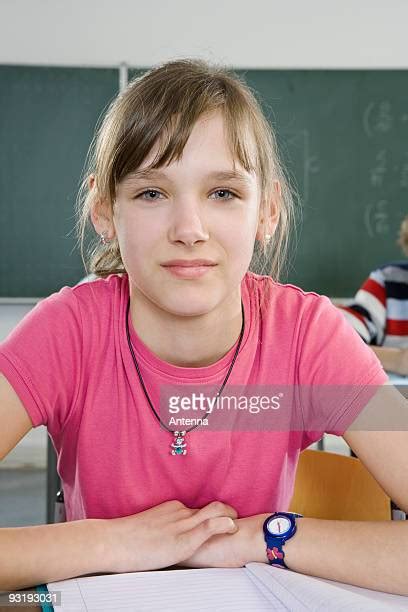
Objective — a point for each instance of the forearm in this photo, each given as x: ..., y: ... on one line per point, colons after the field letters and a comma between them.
x: 44, y: 553
x: 368, y: 554
x: 390, y: 357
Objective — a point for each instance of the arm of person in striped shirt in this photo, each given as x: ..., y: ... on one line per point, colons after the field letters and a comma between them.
x: 368, y: 315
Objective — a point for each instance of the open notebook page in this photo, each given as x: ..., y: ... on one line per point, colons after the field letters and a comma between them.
x: 302, y: 592
x: 257, y: 587
x: 201, y: 590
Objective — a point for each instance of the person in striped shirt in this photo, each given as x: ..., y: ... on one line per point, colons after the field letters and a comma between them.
x: 379, y: 311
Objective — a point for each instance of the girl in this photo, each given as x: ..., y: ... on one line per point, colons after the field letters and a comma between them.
x: 184, y: 186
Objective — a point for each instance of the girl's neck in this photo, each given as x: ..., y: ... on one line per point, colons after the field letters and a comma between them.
x: 190, y: 342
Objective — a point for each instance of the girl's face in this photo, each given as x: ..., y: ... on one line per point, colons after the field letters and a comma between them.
x: 191, y: 209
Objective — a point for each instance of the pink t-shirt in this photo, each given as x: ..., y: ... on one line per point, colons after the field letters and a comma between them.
x: 69, y: 362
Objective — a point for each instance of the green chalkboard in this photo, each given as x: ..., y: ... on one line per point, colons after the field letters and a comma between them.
x: 342, y: 134
x: 47, y: 120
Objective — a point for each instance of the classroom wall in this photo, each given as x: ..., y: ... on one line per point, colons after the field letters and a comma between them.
x: 257, y: 34
x: 260, y: 34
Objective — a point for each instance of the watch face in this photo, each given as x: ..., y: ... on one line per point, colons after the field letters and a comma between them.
x: 278, y: 525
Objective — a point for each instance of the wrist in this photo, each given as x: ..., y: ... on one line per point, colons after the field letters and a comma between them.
x: 254, y: 547
x: 104, y: 536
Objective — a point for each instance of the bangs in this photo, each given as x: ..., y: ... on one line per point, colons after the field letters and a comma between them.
x: 169, y: 146
x: 169, y: 123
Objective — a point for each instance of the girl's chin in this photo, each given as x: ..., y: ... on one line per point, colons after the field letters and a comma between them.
x: 187, y: 305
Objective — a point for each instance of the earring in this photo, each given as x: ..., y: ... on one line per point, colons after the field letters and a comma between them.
x: 104, y: 241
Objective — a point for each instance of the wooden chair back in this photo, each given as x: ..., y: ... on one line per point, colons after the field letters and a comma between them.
x: 332, y: 486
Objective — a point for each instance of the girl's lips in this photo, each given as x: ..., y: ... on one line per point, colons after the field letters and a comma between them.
x: 188, y: 271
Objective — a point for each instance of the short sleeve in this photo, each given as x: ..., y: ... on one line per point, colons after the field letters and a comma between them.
x: 41, y: 358
x: 337, y: 372
x: 368, y: 311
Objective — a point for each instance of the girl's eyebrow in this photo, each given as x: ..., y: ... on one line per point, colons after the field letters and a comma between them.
x: 153, y: 173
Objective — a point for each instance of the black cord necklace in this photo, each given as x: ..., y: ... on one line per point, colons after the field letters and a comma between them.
x: 179, y: 445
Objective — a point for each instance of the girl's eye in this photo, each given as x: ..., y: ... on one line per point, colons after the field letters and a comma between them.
x: 150, y: 194
x: 222, y: 193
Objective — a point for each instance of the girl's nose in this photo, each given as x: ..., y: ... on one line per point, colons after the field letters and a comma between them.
x: 187, y: 225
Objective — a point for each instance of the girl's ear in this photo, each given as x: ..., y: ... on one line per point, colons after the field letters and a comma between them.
x: 100, y: 212
x: 269, y: 217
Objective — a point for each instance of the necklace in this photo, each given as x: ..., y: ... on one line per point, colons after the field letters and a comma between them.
x: 178, y: 444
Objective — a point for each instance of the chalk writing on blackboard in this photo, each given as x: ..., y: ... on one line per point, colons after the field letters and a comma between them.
x: 299, y: 147
x: 378, y: 118
x: 378, y: 170
x: 403, y: 182
x: 376, y: 218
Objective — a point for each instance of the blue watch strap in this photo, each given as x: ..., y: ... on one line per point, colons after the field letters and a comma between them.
x: 275, y: 553
x: 275, y: 542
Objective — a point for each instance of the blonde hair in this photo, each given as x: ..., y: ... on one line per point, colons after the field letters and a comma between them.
x: 403, y: 236
x: 161, y: 107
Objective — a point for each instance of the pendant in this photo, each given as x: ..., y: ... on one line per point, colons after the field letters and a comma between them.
x: 178, y: 443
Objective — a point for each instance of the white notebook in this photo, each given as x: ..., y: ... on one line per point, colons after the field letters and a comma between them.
x: 257, y: 587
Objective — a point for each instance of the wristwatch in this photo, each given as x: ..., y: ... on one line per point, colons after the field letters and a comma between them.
x: 277, y: 528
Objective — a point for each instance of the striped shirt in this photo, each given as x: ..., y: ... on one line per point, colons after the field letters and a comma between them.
x: 379, y: 311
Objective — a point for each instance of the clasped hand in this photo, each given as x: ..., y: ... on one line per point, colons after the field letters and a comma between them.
x: 171, y: 534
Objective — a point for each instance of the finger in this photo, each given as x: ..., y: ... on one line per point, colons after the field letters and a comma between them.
x: 213, y: 510
x: 194, y: 516
x: 217, y: 508
x: 194, y: 538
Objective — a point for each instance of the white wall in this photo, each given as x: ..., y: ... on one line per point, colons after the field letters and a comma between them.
x: 256, y: 34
